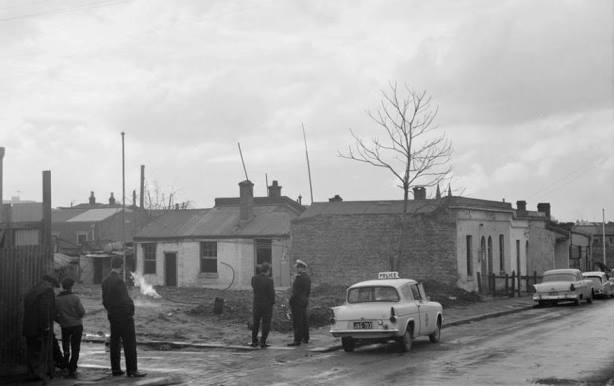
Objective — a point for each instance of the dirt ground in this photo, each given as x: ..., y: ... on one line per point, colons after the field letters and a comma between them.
x: 187, y: 314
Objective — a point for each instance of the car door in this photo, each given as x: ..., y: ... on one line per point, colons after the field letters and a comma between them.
x: 428, y: 312
x: 419, y: 302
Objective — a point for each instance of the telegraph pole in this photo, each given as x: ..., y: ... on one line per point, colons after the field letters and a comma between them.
x: 123, y: 207
x: 603, y: 233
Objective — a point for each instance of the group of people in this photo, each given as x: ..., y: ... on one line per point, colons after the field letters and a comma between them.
x: 264, y: 299
x: 42, y: 308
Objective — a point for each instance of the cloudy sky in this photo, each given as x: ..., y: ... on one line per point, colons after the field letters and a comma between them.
x: 524, y: 89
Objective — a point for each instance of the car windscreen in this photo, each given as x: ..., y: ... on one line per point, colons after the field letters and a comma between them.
x: 594, y: 279
x: 373, y: 294
x: 559, y: 277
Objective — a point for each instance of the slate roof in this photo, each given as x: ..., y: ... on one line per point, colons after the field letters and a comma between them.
x: 219, y: 222
x: 26, y: 212
x: 95, y: 215
x: 396, y: 206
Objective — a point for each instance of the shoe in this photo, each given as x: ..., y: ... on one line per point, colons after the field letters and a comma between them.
x: 306, y: 341
x: 294, y: 344
x: 136, y: 374
x: 254, y: 344
x: 118, y: 373
x: 264, y: 345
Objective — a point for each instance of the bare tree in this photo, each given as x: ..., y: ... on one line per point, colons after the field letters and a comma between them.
x: 411, y: 149
x: 158, y: 200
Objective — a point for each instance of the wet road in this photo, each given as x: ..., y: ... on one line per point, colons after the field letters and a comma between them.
x: 556, y: 346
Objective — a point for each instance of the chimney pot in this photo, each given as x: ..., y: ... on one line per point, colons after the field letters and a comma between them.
x: 111, y: 199
x: 419, y: 193
x: 544, y: 207
x: 521, y: 206
x: 92, y: 199
x: 274, y: 190
x: 336, y: 198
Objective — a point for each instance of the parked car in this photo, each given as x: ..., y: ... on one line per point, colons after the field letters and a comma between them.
x: 563, y: 285
x: 389, y: 308
x: 601, y: 285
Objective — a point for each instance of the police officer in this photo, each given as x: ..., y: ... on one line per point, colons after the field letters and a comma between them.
x: 264, y: 298
x: 301, y: 288
x: 120, y: 311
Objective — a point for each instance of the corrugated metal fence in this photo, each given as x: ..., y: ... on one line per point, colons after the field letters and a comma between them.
x: 20, y: 269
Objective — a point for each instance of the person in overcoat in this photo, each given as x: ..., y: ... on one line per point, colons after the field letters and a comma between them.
x: 69, y: 315
x: 120, y: 312
x: 264, y: 298
x: 299, y: 300
x: 37, y: 328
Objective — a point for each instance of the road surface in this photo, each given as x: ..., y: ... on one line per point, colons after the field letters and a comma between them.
x: 563, y: 345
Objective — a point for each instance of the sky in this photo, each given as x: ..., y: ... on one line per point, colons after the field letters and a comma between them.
x: 524, y: 88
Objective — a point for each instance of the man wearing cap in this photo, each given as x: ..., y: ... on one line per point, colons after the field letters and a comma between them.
x: 299, y: 300
x: 69, y: 314
x: 264, y: 298
x: 120, y: 312
x: 39, y: 312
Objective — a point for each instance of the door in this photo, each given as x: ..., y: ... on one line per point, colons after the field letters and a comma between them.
x: 170, y: 269
x: 97, y: 270
x: 264, y: 253
x: 484, y: 266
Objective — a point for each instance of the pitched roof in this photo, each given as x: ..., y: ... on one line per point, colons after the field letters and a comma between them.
x: 94, y: 215
x: 220, y: 222
x: 26, y: 212
x: 396, y: 206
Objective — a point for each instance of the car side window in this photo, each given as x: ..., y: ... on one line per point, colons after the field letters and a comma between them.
x: 407, y: 292
x: 415, y: 292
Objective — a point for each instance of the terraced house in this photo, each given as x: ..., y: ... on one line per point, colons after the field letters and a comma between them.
x: 220, y: 247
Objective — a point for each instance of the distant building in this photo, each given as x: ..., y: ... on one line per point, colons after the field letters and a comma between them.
x: 220, y: 247
x: 595, y: 232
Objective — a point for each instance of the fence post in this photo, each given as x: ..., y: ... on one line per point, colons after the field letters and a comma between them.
x: 479, y: 282
x: 507, y: 284
x: 492, y: 284
x: 513, y: 284
x: 534, y: 277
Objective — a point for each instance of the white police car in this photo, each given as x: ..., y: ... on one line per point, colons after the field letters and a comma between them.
x: 388, y: 308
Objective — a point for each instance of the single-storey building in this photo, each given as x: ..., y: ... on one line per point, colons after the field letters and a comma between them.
x: 219, y: 247
x: 450, y: 239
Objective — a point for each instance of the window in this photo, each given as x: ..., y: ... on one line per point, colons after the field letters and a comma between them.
x: 81, y: 238
x: 208, y: 257
x: 149, y: 258
x: 501, y: 254
x: 416, y: 292
x: 373, y: 294
x: 517, y: 257
x: 469, y: 256
x: 263, y: 251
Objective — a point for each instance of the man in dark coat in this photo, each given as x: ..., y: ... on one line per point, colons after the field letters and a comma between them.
x: 39, y: 312
x: 120, y: 312
x: 301, y: 288
x: 264, y: 298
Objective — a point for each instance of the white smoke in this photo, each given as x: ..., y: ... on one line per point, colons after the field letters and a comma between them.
x: 145, y: 288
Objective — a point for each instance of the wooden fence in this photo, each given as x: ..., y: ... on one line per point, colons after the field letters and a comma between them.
x: 506, y: 284
x: 20, y: 269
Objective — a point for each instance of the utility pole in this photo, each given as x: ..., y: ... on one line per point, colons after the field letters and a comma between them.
x: 308, y: 166
x: 603, y: 233
x: 123, y: 207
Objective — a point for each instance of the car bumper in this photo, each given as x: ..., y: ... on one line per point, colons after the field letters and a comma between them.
x: 558, y: 296
x: 366, y: 334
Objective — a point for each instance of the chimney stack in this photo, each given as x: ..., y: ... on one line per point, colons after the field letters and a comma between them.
x: 275, y: 190
x: 111, y: 199
x: 521, y: 207
x: 337, y: 198
x: 246, y: 200
x: 419, y: 193
x: 544, y: 207
x: 92, y: 199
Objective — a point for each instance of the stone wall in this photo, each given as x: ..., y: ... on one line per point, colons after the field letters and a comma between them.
x: 344, y: 249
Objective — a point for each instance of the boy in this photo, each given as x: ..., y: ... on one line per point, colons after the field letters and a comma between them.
x: 69, y: 314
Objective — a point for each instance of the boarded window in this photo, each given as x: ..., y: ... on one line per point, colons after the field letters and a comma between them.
x: 208, y: 257
x: 469, y: 247
x: 149, y: 258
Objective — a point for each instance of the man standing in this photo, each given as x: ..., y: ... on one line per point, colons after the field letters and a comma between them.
x: 69, y: 314
x: 264, y: 298
x: 39, y: 312
x: 120, y: 311
x: 299, y: 300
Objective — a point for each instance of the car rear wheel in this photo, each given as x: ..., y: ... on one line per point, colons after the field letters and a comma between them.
x: 436, y: 335
x: 407, y: 339
x: 348, y: 344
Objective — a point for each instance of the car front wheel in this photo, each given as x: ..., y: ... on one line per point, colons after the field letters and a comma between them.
x: 436, y: 335
x: 348, y: 344
x: 407, y: 339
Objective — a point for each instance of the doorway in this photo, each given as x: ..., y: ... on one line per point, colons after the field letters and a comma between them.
x: 170, y: 269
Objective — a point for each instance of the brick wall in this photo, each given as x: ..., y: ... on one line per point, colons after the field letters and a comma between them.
x: 344, y: 249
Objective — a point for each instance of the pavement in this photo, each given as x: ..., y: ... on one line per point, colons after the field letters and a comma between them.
x: 320, y: 341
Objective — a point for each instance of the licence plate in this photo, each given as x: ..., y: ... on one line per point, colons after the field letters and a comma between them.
x: 552, y: 293
x: 363, y: 325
